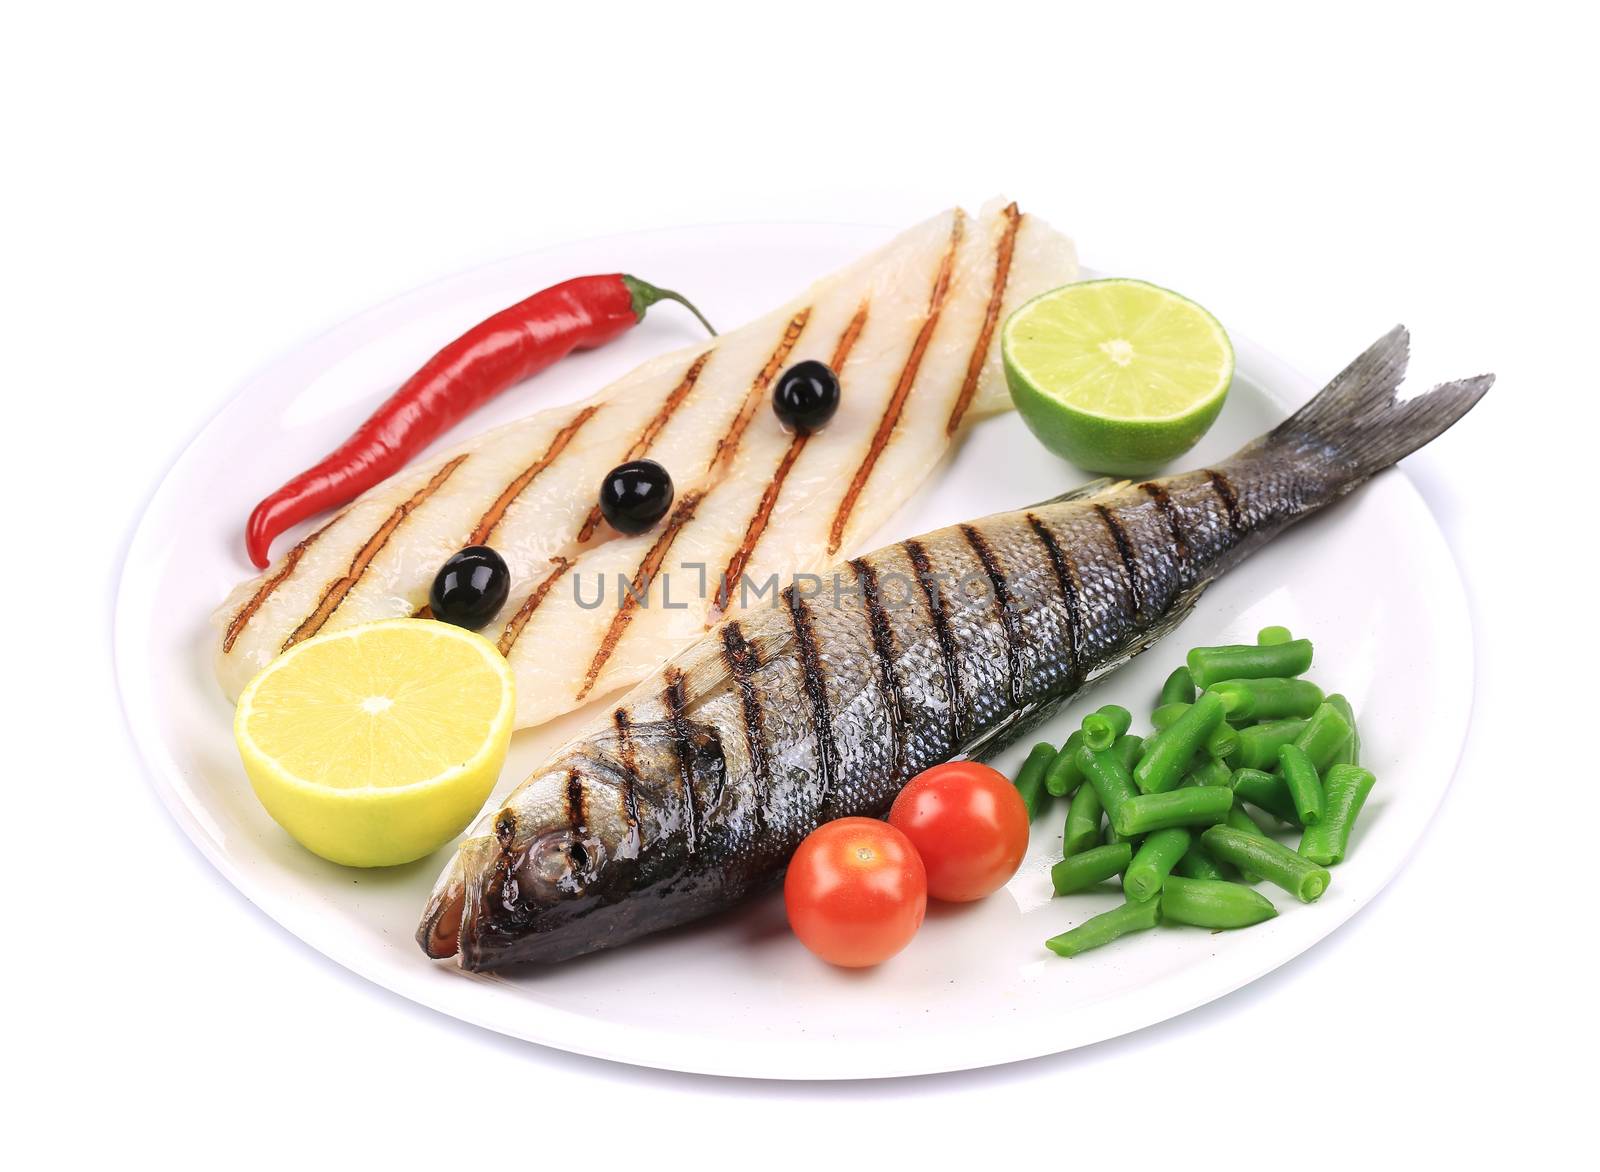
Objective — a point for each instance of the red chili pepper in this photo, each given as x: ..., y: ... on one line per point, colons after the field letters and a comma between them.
x: 579, y: 314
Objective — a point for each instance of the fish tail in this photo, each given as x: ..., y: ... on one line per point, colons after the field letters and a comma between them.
x: 1357, y: 421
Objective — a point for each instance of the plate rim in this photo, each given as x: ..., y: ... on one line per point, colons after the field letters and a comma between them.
x: 1118, y: 1016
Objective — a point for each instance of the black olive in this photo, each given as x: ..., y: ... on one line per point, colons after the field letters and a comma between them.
x: 806, y: 396
x: 470, y: 588
x: 635, y: 495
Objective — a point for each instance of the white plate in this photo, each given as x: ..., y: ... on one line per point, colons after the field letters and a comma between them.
x: 1372, y: 581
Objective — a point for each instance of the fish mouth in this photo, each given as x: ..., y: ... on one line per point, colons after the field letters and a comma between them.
x: 464, y: 917
x: 439, y: 932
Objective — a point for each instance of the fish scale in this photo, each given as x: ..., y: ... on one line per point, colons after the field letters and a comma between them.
x: 826, y: 705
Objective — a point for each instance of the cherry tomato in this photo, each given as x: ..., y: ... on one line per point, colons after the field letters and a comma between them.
x: 968, y: 823
x: 855, y: 892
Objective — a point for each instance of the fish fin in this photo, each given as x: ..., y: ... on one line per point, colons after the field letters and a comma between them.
x: 1182, y: 607
x: 1357, y: 419
x: 1083, y: 492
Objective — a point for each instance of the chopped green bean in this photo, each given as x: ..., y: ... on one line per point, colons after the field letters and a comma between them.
x: 1241, y: 821
x: 1129, y: 748
x: 1221, y: 741
x: 1207, y: 770
x: 1167, y: 713
x: 1178, y: 689
x: 1258, y: 744
x: 1304, y: 785
x: 1272, y: 636
x: 1273, y: 861
x: 1109, y: 776
x: 1062, y: 776
x: 1206, y: 903
x: 1350, y: 752
x: 1324, y: 735
x: 1347, y: 787
x: 1154, y: 861
x: 1112, y: 838
x: 1198, y: 864
x: 1168, y: 753
x: 1133, y: 916
x: 1030, y: 778
x: 1268, y: 699
x: 1200, y: 805
x: 1265, y: 791
x: 1246, y: 661
x: 1104, y: 725
x: 1083, y: 822
x: 1092, y: 866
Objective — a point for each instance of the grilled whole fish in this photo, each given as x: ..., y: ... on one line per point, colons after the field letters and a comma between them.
x: 911, y: 331
x: 700, y: 784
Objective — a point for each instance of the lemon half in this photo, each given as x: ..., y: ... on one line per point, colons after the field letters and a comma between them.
x: 377, y: 744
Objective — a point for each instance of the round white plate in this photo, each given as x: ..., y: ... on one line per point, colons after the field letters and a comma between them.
x: 1371, y: 581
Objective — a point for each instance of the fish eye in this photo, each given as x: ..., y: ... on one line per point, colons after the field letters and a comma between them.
x: 560, y: 865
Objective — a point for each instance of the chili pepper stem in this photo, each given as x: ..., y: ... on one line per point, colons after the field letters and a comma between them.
x: 645, y: 295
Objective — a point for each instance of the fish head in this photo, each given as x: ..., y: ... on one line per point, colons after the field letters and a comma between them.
x: 560, y: 868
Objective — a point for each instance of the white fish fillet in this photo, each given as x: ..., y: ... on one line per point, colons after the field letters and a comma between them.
x: 913, y: 332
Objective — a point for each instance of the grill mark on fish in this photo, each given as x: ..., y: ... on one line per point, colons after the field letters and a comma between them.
x: 645, y: 438
x: 642, y: 578
x: 743, y: 662
x: 259, y: 598
x: 729, y: 443
x: 1164, y: 503
x: 630, y: 766
x: 883, y: 652
x: 816, y: 693
x: 672, y: 700
x: 847, y: 340
x: 577, y: 816
x: 980, y: 352
x: 769, y: 498
x: 1069, y: 593
x: 757, y: 525
x: 513, y: 629
x: 1223, y: 487
x: 1010, y: 621
x: 902, y: 389
x: 490, y: 521
x: 341, y: 587
x: 942, y: 635
x: 1125, y: 552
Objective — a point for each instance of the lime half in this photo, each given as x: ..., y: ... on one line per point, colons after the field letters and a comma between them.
x: 1117, y: 376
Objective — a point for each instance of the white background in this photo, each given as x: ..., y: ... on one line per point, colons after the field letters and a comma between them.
x: 184, y: 193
